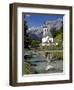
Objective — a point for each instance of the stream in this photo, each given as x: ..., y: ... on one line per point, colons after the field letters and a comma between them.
x: 40, y: 64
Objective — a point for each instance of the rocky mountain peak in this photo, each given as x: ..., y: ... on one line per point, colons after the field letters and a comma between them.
x: 37, y: 32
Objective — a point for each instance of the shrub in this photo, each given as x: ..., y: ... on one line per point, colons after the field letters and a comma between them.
x: 57, y: 55
x: 27, y: 68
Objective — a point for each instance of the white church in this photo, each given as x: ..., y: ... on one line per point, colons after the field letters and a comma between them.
x: 47, y: 38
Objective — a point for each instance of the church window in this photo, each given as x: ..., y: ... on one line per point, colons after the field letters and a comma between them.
x: 45, y: 30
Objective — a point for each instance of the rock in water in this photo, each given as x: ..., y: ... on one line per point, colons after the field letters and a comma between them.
x: 49, y: 67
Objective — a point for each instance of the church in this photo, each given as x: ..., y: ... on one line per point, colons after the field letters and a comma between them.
x: 47, y: 38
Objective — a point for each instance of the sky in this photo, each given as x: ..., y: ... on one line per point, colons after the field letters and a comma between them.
x: 36, y: 20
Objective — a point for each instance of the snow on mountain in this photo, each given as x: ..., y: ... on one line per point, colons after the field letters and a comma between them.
x: 37, y: 32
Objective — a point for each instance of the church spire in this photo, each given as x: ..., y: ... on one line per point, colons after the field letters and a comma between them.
x: 47, y: 38
x: 46, y: 31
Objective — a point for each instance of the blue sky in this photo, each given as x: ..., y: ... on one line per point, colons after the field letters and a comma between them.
x: 35, y: 20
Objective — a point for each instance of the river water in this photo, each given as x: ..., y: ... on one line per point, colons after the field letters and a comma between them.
x: 40, y: 64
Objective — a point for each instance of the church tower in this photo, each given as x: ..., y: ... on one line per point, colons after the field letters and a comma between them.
x: 47, y: 38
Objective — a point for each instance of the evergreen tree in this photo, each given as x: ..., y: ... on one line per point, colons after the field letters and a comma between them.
x: 26, y: 38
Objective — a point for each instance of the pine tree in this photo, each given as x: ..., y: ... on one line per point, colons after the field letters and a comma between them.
x: 26, y: 42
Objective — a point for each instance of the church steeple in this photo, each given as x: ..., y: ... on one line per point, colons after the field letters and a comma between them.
x: 47, y: 36
x: 46, y: 31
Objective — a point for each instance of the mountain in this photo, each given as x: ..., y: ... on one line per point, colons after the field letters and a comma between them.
x: 37, y: 32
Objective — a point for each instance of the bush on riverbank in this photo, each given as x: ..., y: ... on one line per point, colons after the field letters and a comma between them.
x: 27, y: 68
x: 57, y: 55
